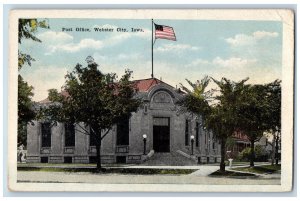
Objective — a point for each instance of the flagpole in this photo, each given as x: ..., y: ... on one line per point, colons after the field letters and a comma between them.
x: 152, y: 49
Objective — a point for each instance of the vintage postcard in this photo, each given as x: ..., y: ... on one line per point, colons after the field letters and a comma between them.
x: 151, y: 100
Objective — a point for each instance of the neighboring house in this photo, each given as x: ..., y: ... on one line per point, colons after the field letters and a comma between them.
x: 168, y: 130
x: 240, y: 142
x: 265, y: 145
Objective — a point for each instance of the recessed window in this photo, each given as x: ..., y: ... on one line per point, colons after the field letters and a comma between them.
x: 69, y: 135
x: 46, y: 134
x: 197, y: 134
x: 123, y: 132
x: 93, y: 140
x: 187, y: 140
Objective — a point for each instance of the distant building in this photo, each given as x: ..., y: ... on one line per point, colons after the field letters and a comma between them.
x: 240, y: 142
x: 265, y: 145
x: 167, y: 130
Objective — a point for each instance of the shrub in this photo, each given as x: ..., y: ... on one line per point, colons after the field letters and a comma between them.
x: 260, y: 154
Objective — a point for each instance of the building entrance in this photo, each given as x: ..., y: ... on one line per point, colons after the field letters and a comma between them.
x: 161, y: 134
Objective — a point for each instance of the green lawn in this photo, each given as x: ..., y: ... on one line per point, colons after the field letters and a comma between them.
x: 264, y: 169
x: 134, y: 171
x: 69, y: 165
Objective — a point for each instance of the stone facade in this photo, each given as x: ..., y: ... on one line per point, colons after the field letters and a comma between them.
x: 159, y: 118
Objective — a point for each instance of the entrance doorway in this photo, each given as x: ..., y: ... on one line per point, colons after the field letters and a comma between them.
x: 161, y: 134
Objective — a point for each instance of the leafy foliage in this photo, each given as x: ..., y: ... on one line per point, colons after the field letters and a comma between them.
x: 220, y: 116
x: 230, y: 142
x: 196, y: 100
x: 25, y: 109
x: 253, y: 112
x: 259, y: 111
x: 245, y: 155
x: 96, y: 99
x: 273, y: 93
x: 27, y: 29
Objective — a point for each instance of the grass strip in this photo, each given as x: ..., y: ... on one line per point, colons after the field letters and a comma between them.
x: 231, y: 174
x: 264, y: 169
x: 134, y: 171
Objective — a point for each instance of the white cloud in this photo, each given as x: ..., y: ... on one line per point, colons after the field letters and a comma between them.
x: 55, y: 37
x: 176, y: 48
x: 86, y: 43
x: 232, y: 62
x: 199, y: 62
x: 134, y: 56
x: 118, y: 37
x: 60, y: 41
x: 243, y: 39
x: 233, y: 68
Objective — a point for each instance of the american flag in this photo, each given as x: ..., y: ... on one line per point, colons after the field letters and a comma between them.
x: 164, y: 32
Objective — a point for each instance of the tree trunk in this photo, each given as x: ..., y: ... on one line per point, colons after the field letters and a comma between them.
x: 222, y: 163
x: 98, y: 149
x: 252, y: 154
x: 273, y: 150
x: 276, y: 150
x: 97, y: 130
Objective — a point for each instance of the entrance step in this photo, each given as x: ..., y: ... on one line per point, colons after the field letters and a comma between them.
x: 169, y: 159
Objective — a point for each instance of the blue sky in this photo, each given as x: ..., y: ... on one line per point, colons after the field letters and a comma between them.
x: 231, y: 49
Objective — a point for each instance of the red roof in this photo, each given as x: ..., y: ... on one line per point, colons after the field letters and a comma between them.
x: 238, y: 135
x: 145, y: 84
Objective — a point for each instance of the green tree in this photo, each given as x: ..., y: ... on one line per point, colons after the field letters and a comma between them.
x: 27, y: 30
x: 273, y: 92
x: 246, y: 154
x: 94, y: 100
x: 223, y: 118
x: 220, y: 115
x: 254, y: 115
x: 196, y: 100
x: 25, y: 109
